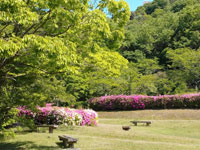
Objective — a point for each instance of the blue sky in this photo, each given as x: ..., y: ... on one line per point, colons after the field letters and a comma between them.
x: 133, y: 4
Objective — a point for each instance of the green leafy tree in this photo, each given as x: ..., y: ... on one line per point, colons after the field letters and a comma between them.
x: 178, y: 5
x: 187, y: 33
x: 42, y: 38
x: 187, y: 61
x: 98, y: 73
x: 130, y: 75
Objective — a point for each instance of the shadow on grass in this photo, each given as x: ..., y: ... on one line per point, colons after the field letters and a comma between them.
x: 60, y: 144
x: 28, y: 145
x: 64, y: 128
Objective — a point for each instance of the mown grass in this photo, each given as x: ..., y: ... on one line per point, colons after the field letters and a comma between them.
x: 180, y: 132
x: 166, y: 114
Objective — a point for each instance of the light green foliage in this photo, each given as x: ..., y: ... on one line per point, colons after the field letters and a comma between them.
x: 145, y: 85
x: 108, y: 63
x: 6, y: 120
x: 141, y: 77
x: 148, y: 66
x: 98, y: 74
x: 105, y: 86
x: 53, y: 34
x: 188, y: 62
x: 166, y: 85
x: 129, y: 76
x: 102, y: 69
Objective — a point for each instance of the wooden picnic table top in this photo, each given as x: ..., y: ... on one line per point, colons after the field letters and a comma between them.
x: 141, y: 121
x: 65, y: 137
x: 45, y: 125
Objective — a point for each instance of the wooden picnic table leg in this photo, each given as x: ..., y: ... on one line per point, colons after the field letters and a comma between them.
x: 71, y: 145
x: 50, y: 129
x: 65, y: 144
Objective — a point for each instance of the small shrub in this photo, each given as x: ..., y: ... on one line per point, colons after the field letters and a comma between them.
x: 7, y: 129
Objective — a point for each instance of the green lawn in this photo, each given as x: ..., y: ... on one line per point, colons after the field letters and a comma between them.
x: 170, y: 130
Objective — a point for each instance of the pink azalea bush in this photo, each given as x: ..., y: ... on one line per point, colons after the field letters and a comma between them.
x: 23, y: 111
x: 118, y: 102
x: 135, y: 102
x: 61, y: 115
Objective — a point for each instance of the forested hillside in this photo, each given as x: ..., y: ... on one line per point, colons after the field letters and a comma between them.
x: 162, y: 44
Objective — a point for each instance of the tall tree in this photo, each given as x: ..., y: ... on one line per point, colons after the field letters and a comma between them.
x: 42, y: 38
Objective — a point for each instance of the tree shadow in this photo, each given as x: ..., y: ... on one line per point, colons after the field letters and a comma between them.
x: 42, y: 147
x: 28, y: 145
x: 14, y: 145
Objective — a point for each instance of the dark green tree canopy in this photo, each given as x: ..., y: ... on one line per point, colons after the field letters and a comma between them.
x: 160, y: 38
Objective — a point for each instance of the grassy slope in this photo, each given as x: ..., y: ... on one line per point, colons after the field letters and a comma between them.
x: 170, y: 129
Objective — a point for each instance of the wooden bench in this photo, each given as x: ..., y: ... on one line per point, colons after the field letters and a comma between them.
x: 136, y: 122
x: 68, y: 141
x: 51, y: 127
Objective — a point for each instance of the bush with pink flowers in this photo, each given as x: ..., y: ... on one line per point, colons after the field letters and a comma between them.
x: 135, y: 102
x: 61, y: 115
x: 23, y: 111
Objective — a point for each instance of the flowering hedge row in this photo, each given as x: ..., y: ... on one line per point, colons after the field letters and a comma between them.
x: 135, y: 102
x: 61, y: 115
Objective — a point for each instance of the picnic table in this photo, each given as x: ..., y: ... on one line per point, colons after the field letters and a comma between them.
x: 144, y: 122
x: 68, y: 141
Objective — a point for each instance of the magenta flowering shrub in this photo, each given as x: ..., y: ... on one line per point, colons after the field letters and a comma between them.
x: 23, y: 111
x: 61, y: 115
x: 135, y: 102
x: 90, y: 117
x: 119, y: 102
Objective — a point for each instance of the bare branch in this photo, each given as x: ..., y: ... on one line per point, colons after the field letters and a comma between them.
x: 31, y: 66
x: 7, y: 61
x: 27, y: 30
x: 31, y: 27
x: 44, y: 71
x: 4, y: 27
x: 2, y: 61
x: 57, y: 34
x: 39, y: 26
x: 10, y: 77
